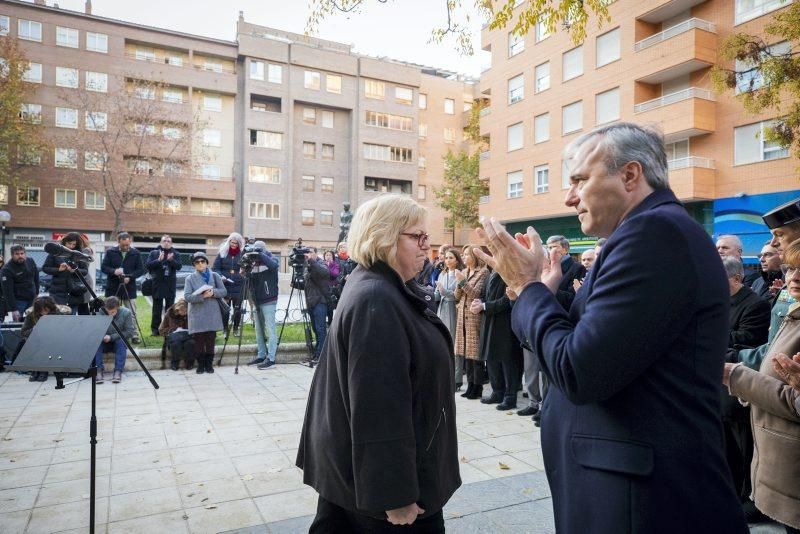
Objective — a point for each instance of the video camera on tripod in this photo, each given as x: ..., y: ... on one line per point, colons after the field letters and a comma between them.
x: 298, y: 263
x: 250, y: 257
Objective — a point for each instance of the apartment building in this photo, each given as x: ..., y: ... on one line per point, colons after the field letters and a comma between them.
x: 649, y: 65
x: 322, y: 126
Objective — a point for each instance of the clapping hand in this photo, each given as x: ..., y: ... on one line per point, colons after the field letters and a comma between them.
x: 576, y: 284
x: 510, y: 294
x: 476, y: 306
x: 460, y: 275
x: 788, y: 369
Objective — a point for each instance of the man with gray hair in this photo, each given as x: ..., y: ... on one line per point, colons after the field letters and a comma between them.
x: 631, y: 428
x: 570, y: 269
x: 731, y: 245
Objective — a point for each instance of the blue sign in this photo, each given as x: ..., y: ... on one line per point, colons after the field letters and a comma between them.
x: 741, y: 216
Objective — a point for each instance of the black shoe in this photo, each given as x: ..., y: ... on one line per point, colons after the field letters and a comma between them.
x: 34, y: 377
x: 201, y: 366
x: 494, y: 398
x: 477, y: 393
x: 753, y: 514
x: 537, y: 419
x: 524, y: 395
x: 209, y: 363
x: 470, y: 389
x: 174, y: 365
x: 42, y: 377
x: 505, y: 405
x: 528, y: 411
x: 154, y: 332
x: 458, y: 387
x: 266, y: 365
x: 256, y: 361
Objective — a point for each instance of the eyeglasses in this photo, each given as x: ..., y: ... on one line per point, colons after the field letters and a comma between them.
x: 422, y: 238
x: 195, y: 262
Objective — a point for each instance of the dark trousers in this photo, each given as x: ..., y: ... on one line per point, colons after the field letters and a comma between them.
x: 319, y: 322
x: 159, y: 305
x: 504, y: 375
x: 236, y: 305
x: 203, y: 344
x: 332, y: 519
x: 475, y: 371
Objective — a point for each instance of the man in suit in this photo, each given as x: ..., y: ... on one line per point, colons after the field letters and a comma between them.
x: 163, y: 263
x: 571, y: 270
x: 631, y: 428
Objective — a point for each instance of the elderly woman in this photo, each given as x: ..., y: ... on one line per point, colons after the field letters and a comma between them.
x: 470, y: 286
x: 205, y: 314
x: 775, y: 420
x: 445, y: 296
x: 379, y: 438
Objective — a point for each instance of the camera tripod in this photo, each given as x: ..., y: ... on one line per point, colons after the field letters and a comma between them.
x: 127, y: 297
x: 240, y: 311
x: 305, y: 320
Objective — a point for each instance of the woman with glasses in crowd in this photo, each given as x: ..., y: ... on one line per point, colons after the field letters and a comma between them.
x: 205, y: 315
x: 379, y: 438
x: 775, y: 470
x: 445, y: 296
x: 469, y: 286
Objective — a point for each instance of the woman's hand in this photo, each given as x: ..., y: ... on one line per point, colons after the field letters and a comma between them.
x: 510, y: 294
x: 208, y: 293
x: 460, y: 275
x: 405, y: 515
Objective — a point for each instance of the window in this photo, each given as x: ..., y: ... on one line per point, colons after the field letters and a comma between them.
x: 145, y: 92
x: 542, y: 77
x: 210, y: 172
x: 541, y: 128
x: 423, y: 101
x: 97, y: 42
x: 261, y: 139
x: 261, y: 210
x: 750, y: 144
x: 449, y: 135
x: 514, y: 184
x: 33, y: 73
x: 308, y: 182
x: 326, y: 218
x: 749, y: 78
x: 449, y: 106
x: 138, y: 165
x: 516, y: 44
x: 256, y: 70
x: 607, y: 106
x: 93, y: 161
x: 309, y: 115
x: 264, y: 175
x: 307, y: 217
x: 327, y: 119
x: 66, y: 37
x: 542, y: 31
x: 423, y: 130
x: 572, y: 63
x: 212, y: 138
x: 515, y: 136
x: 572, y: 117
x: 212, y: 65
x: 541, y: 175
x: 265, y: 104
x: 403, y: 95
x: 326, y: 184
x: 92, y: 200
x: 30, y: 31
x: 212, y: 103
x: 66, y: 198
x: 421, y: 162
x: 327, y: 152
x: 173, y: 58
x: 516, y: 89
x: 565, y: 174
x: 607, y: 48
x: 96, y: 121
x: 422, y: 192
x: 677, y: 150
x: 212, y: 208
x: 172, y: 133
x: 142, y: 129
x: 171, y: 168
x: 145, y: 54
x: 27, y: 155
x: 3, y: 194
x: 374, y: 89
x: 750, y: 9
x: 31, y: 113
x: 309, y: 150
x: 393, y: 122
x: 66, y: 77
x: 28, y: 196
x: 385, y: 185
x: 333, y: 84
x: 172, y: 95
x: 388, y: 153
x: 97, y: 81
x: 274, y: 75
x: 5, y: 26
x: 311, y: 80
x: 66, y: 118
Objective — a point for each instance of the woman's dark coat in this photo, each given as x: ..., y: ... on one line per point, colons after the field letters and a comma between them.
x: 498, y: 342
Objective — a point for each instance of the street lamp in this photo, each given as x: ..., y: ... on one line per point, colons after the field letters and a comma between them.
x: 4, y: 218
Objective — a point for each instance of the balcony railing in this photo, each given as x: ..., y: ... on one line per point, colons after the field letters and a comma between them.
x: 484, y: 155
x: 678, y: 29
x: 483, y: 199
x: 678, y: 96
x: 183, y: 64
x: 691, y: 161
x: 485, y: 111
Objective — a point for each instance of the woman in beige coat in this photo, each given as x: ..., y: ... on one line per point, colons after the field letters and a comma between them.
x: 469, y: 286
x: 775, y: 469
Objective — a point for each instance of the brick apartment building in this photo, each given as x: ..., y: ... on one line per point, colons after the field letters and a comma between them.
x: 650, y: 64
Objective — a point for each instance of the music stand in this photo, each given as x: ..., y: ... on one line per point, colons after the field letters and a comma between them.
x: 53, y: 346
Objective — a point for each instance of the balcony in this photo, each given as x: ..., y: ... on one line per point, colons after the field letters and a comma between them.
x: 484, y: 155
x: 682, y: 49
x: 682, y: 114
x: 485, y: 111
x: 657, y: 11
x: 183, y: 75
x: 692, y: 178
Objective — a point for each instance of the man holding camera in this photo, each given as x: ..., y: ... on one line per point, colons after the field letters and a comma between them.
x: 123, y: 265
x: 263, y: 271
x: 317, y: 294
x: 163, y: 263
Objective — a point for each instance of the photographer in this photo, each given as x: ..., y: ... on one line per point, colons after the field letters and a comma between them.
x: 317, y: 295
x: 162, y: 263
x: 66, y: 288
x: 263, y: 268
x: 123, y: 265
x: 227, y: 266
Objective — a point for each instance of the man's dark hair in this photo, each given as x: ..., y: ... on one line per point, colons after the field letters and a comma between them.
x: 123, y: 235
x: 112, y: 303
x: 17, y: 248
x: 560, y: 239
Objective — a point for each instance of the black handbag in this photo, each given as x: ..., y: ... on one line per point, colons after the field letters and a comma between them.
x: 147, y: 287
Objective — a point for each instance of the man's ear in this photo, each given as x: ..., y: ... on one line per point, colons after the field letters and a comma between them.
x: 632, y: 175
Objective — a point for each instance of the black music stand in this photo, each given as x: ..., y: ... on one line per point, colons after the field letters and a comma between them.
x: 67, y: 344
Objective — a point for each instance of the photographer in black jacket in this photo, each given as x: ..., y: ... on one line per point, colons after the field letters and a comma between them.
x: 123, y: 265
x: 317, y: 294
x: 162, y: 264
x: 65, y: 287
x: 20, y: 279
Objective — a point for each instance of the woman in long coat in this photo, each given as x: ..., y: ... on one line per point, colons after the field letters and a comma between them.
x: 445, y: 296
x: 468, y: 329
x: 205, y: 317
x: 66, y: 288
x: 227, y: 266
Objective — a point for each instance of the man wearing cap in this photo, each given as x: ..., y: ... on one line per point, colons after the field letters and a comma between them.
x: 264, y: 295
